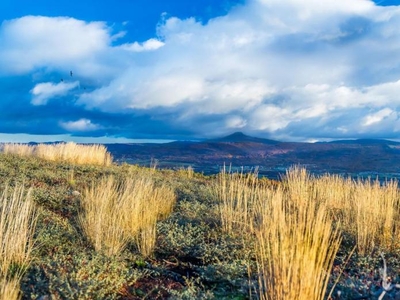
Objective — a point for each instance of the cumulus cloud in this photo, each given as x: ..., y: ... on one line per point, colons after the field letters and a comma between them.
x: 79, y: 125
x: 276, y: 63
x: 149, y: 45
x: 35, y: 42
x: 299, y: 69
x: 43, y: 92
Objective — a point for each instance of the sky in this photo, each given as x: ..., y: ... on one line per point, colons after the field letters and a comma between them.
x: 139, y: 70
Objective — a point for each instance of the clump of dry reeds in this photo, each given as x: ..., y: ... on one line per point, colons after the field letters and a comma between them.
x: 368, y: 211
x: 146, y: 206
x: 238, y: 193
x: 17, y: 224
x: 297, y: 225
x: 63, y: 152
x: 295, y: 237
x: 115, y: 213
x: 100, y: 217
x: 376, y: 214
x: 295, y: 247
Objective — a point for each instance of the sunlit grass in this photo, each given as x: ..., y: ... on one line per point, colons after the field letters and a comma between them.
x: 247, y: 236
x: 9, y: 289
x: 295, y: 243
x: 237, y: 193
x: 115, y: 213
x: 297, y: 225
x: 18, y: 149
x: 17, y: 224
x: 376, y: 210
x: 65, y: 152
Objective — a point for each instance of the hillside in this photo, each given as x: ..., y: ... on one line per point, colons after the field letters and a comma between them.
x: 272, y: 157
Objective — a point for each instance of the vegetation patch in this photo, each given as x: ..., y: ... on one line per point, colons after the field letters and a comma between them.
x: 127, y: 232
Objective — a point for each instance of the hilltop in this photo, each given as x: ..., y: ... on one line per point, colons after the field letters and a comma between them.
x: 240, y: 137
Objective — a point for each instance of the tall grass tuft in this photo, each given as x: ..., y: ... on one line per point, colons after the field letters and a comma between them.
x: 296, y: 240
x: 101, y: 217
x: 376, y: 212
x: 147, y: 205
x: 368, y: 211
x: 17, y: 224
x: 115, y: 213
x: 295, y: 247
x: 64, y: 152
x: 237, y: 193
x: 338, y: 194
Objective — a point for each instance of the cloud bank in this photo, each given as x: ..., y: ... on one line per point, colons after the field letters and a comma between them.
x: 292, y: 70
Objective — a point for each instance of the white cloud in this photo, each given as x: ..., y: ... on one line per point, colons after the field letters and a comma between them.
x: 43, y: 92
x: 149, y: 45
x: 81, y: 125
x: 377, y: 117
x: 34, y: 42
x: 296, y: 68
x: 270, y: 118
x: 236, y: 122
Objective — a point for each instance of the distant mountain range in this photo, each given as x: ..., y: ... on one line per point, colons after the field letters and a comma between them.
x: 365, y: 157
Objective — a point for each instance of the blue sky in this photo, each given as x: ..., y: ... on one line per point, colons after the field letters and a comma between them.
x: 299, y: 70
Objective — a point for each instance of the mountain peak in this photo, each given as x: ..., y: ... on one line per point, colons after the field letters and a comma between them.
x: 237, y: 134
x: 240, y: 137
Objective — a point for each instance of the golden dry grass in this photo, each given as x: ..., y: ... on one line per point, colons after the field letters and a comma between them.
x: 376, y: 210
x: 297, y: 225
x: 366, y: 210
x: 65, y: 152
x: 238, y: 193
x: 146, y: 206
x: 17, y: 224
x: 115, y: 213
x: 9, y: 289
x: 101, y: 217
x: 295, y: 247
x: 18, y: 149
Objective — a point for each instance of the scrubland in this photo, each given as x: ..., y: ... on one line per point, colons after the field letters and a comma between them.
x: 78, y: 229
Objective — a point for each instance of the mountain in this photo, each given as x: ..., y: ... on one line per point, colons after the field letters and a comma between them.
x: 366, y: 157
x: 240, y: 137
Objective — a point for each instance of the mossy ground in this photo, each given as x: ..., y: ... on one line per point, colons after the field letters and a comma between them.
x: 193, y: 258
